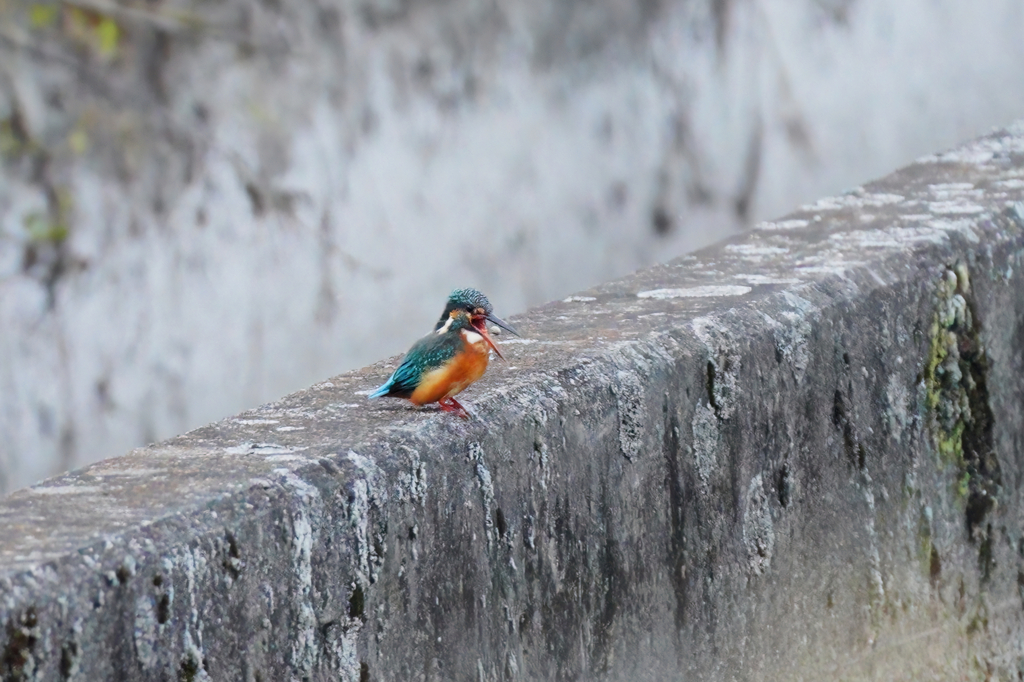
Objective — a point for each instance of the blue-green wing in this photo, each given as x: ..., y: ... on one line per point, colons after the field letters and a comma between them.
x: 430, y: 352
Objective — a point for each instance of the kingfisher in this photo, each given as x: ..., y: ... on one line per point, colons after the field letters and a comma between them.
x: 443, y: 363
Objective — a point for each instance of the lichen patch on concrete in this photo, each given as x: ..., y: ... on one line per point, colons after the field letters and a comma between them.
x: 897, y: 407
x: 705, y: 434
x: 782, y: 225
x: 629, y: 396
x: 696, y: 292
x: 858, y: 198
x: 758, y: 530
x: 486, y: 483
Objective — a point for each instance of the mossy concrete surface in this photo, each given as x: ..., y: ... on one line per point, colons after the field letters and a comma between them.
x: 795, y: 455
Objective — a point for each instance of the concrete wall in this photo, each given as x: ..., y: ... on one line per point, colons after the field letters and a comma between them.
x: 794, y: 455
x: 204, y: 206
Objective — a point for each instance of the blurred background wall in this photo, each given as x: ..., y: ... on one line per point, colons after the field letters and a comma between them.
x: 205, y: 204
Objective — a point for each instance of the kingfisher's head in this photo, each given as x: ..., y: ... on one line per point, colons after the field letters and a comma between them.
x: 472, y: 307
x: 476, y: 305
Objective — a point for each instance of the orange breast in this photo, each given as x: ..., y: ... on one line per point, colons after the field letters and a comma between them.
x: 451, y: 379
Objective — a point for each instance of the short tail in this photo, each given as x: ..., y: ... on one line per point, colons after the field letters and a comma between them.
x: 383, y: 390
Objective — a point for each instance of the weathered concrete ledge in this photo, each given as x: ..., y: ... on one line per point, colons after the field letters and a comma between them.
x: 795, y: 455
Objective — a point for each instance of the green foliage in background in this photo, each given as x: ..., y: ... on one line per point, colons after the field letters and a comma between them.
x: 51, y: 226
x: 84, y: 26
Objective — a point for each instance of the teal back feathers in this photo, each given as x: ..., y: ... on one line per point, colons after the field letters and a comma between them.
x: 432, y: 351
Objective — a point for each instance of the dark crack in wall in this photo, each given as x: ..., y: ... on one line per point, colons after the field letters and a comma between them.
x: 796, y: 454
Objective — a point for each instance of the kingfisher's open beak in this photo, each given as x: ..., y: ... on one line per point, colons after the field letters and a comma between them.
x: 490, y: 342
x: 501, y: 323
x: 480, y: 324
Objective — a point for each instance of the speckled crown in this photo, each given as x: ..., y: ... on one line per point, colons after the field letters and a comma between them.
x: 469, y: 298
x: 465, y: 299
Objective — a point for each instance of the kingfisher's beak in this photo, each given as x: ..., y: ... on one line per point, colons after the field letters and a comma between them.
x: 501, y: 323
x: 480, y: 324
x: 490, y: 342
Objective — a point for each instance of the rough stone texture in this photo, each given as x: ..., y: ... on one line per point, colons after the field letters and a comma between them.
x: 794, y: 455
x: 206, y: 205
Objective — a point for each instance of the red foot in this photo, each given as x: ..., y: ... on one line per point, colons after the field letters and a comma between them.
x: 452, y: 405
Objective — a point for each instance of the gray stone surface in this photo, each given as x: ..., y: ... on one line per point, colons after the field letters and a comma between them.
x: 794, y: 455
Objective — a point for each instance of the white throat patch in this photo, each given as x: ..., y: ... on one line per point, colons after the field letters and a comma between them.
x: 472, y: 337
